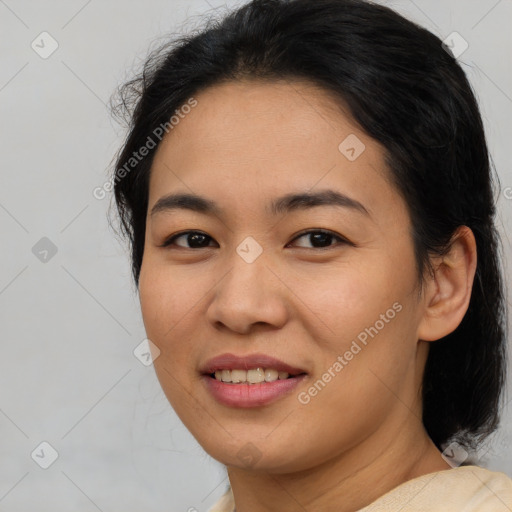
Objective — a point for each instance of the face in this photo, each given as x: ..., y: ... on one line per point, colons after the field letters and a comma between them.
x: 327, y: 286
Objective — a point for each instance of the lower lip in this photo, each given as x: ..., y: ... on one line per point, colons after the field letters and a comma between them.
x: 251, y: 395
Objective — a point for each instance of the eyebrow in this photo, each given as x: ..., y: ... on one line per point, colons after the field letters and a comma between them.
x: 287, y: 203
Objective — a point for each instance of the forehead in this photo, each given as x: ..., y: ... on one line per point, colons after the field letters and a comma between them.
x: 246, y: 141
x: 233, y: 112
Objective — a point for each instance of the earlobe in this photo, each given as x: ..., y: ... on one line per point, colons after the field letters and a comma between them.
x: 448, y: 292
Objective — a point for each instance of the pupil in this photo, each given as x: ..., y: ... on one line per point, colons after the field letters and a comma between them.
x: 317, y: 239
x: 321, y: 237
x: 193, y: 238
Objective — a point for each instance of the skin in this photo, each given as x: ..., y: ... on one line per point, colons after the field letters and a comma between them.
x: 361, y: 436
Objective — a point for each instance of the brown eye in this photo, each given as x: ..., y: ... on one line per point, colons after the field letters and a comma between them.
x: 321, y: 238
x: 195, y: 239
x: 318, y: 238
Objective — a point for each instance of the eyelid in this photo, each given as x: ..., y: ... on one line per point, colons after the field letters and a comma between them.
x: 341, y: 239
x: 168, y: 241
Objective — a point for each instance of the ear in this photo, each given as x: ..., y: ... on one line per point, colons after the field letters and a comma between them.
x: 448, y: 291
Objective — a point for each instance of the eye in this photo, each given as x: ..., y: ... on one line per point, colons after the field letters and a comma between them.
x: 320, y: 238
x: 196, y: 239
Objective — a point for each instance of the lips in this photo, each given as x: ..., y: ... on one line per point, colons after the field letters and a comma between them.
x: 233, y: 362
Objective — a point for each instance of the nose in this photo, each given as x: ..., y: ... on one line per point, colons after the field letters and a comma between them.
x: 249, y: 294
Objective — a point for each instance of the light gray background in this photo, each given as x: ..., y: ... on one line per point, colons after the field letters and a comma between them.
x: 69, y: 326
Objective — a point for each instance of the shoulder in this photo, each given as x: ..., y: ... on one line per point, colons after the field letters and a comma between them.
x: 468, y: 488
x: 226, y: 503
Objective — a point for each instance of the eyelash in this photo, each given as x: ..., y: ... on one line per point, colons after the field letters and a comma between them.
x: 169, y: 241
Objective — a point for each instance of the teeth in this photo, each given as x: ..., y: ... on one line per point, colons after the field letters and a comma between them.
x: 255, y: 376
x: 237, y: 375
x: 252, y: 376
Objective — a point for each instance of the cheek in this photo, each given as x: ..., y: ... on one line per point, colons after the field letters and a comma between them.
x: 172, y: 302
x: 346, y: 298
x: 166, y: 311
x: 361, y: 311
x: 163, y: 304
x: 165, y: 295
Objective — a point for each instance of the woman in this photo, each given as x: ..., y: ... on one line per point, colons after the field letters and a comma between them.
x: 307, y: 194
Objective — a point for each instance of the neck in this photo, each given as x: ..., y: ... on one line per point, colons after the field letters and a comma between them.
x: 349, y: 481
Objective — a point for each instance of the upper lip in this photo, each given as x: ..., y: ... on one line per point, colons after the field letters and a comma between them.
x: 233, y: 362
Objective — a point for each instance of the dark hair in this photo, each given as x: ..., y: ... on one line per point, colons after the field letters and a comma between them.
x: 405, y: 90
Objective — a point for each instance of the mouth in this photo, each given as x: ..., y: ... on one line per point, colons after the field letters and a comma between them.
x: 256, y: 375
x: 250, y: 369
x: 250, y: 381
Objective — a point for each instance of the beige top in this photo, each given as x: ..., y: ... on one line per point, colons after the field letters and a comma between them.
x: 460, y: 489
